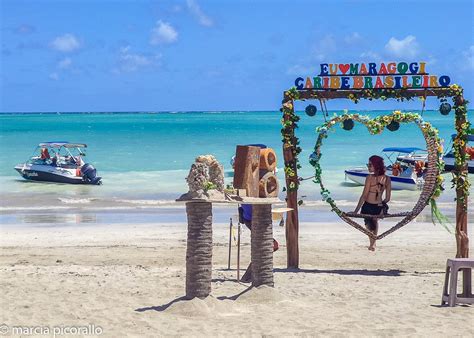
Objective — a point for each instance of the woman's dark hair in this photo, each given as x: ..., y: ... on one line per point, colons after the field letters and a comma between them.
x: 379, y: 166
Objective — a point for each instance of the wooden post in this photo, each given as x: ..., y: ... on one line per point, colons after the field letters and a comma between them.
x: 238, y: 251
x: 262, y: 245
x: 199, y: 250
x: 292, y: 223
x: 246, y: 169
x: 230, y: 244
x: 461, y: 173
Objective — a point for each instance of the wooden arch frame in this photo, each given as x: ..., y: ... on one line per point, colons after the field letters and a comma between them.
x: 291, y: 150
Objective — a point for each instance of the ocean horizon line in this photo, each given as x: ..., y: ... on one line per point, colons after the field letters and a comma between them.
x: 185, y: 112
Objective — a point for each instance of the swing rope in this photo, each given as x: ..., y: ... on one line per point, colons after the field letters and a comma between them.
x: 324, y: 109
x: 423, y: 99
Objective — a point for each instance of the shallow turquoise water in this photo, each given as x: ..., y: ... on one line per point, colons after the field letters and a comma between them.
x: 144, y: 157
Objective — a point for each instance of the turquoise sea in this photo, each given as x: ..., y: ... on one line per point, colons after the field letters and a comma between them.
x: 145, y: 157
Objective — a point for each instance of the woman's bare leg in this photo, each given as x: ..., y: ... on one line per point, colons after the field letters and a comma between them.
x: 372, y: 240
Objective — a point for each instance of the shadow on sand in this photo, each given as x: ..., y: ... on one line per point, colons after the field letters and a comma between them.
x: 349, y: 184
x: 163, y: 307
x: 388, y: 273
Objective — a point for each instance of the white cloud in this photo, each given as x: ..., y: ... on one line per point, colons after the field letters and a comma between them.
x: 25, y: 29
x: 163, y: 33
x: 469, y: 56
x: 370, y: 56
x: 54, y: 76
x: 65, y: 43
x: 328, y: 44
x: 407, y: 47
x: 202, y: 18
x: 65, y: 63
x: 130, y: 62
x: 353, y: 38
x: 299, y: 70
x: 324, y: 48
x: 176, y: 9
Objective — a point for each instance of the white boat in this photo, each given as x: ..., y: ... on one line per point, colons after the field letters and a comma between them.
x: 413, y: 155
x: 60, y: 162
x: 407, y: 180
x: 449, y: 157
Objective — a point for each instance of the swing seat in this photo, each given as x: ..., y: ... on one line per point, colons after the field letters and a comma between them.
x: 381, y: 216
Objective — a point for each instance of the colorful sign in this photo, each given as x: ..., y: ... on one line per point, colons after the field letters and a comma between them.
x: 394, y: 75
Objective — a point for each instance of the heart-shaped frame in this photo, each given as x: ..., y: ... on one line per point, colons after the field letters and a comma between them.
x: 432, y: 186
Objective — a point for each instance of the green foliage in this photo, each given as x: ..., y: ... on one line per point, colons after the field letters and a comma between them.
x: 209, y: 186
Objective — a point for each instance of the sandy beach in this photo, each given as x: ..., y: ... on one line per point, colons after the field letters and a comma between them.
x: 128, y: 280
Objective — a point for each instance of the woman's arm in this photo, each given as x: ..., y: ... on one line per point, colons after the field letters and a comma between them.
x: 364, y: 195
x: 388, y: 190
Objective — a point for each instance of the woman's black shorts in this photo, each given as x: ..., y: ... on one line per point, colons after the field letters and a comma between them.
x: 371, y: 209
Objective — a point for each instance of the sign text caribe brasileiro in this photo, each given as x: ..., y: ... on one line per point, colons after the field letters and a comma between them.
x: 394, y: 75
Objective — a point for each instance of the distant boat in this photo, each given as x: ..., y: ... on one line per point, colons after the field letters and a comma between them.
x: 418, y: 154
x: 60, y: 162
x: 449, y: 157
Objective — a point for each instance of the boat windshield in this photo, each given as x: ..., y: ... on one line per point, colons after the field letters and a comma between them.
x: 58, y: 156
x: 394, y: 154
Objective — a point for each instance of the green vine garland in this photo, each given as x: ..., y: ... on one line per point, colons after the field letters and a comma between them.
x: 375, y: 127
x: 463, y: 129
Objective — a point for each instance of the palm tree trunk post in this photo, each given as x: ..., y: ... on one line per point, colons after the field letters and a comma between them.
x: 199, y: 250
x: 262, y: 245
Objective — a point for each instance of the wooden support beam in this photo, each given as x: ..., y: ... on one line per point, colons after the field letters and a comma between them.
x: 199, y: 250
x: 306, y: 94
x: 292, y: 223
x: 461, y: 172
x: 262, y: 245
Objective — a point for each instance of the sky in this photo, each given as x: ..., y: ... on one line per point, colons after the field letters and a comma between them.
x: 193, y: 55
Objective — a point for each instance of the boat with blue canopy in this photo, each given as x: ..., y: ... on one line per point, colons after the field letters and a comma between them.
x: 59, y: 162
x: 403, y: 175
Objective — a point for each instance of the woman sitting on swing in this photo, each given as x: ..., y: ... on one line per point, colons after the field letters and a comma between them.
x: 376, y: 183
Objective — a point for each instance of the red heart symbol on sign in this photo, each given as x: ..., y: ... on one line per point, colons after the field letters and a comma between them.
x: 344, y: 68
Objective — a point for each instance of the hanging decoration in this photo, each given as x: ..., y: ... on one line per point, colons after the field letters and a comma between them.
x: 311, y: 110
x: 445, y: 107
x: 348, y: 124
x: 393, y: 126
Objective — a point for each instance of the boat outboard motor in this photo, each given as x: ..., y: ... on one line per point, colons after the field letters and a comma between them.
x: 89, y: 174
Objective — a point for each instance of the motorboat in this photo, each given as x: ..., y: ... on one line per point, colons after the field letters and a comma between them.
x: 402, y: 175
x: 449, y: 157
x: 60, y: 162
x: 407, y: 180
x: 413, y: 155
